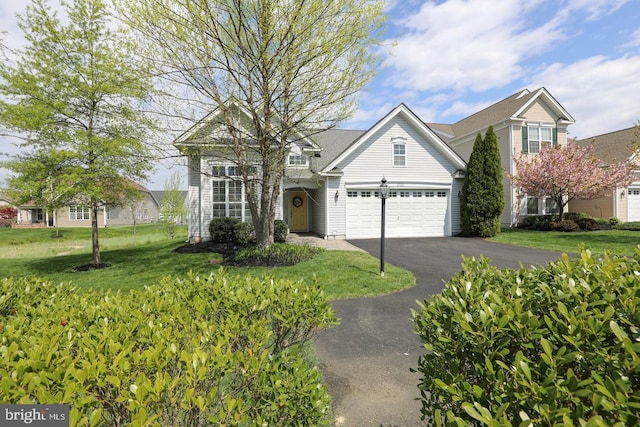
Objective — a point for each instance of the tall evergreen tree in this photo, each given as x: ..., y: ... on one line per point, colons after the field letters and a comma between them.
x: 74, y: 94
x: 482, y: 197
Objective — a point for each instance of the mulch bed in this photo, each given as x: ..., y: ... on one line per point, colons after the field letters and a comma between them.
x: 228, y: 253
x: 89, y: 267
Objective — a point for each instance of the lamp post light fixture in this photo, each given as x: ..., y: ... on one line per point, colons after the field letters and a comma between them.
x: 383, y: 193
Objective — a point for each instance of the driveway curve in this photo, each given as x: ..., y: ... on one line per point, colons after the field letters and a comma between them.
x: 366, y: 360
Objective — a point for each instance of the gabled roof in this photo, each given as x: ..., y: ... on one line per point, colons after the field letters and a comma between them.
x: 214, y: 119
x: 159, y: 195
x: 615, y: 146
x: 510, y: 108
x: 413, y: 120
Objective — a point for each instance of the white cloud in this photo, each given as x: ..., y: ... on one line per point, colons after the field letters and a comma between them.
x: 465, y: 45
x: 600, y: 93
x: 595, y: 8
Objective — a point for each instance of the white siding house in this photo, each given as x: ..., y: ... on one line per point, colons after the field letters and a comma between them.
x: 331, y: 181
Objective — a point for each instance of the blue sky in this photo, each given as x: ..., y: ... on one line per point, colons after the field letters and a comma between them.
x: 453, y: 58
x: 448, y: 59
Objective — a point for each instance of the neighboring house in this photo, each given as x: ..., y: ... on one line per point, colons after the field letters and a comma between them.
x: 78, y: 215
x: 159, y: 196
x: 4, y: 200
x: 523, y: 123
x: 623, y: 203
x: 331, y: 179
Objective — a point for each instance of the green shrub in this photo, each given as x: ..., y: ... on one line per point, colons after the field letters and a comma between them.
x: 222, y: 230
x: 565, y: 225
x: 244, y: 234
x: 538, y: 222
x: 200, y: 351
x: 588, y: 224
x: 574, y: 216
x: 613, y: 220
x: 482, y: 193
x: 280, y: 231
x: 278, y: 254
x: 630, y: 226
x: 542, y: 346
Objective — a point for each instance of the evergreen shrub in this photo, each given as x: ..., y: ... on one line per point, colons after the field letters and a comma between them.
x: 222, y: 229
x: 554, y: 345
x: 198, y: 351
x: 588, y: 224
x: 565, y: 225
x: 280, y: 231
x: 244, y: 234
x: 278, y: 254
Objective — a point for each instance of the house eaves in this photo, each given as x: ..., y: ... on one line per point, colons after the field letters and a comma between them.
x: 564, y: 116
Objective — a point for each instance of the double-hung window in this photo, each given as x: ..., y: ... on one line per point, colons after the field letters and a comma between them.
x: 399, y: 151
x: 541, y: 206
x: 535, y: 137
x: 228, y: 198
x: 296, y: 158
x: 78, y: 212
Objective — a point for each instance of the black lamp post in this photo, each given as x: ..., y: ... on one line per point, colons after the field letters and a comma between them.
x: 383, y: 193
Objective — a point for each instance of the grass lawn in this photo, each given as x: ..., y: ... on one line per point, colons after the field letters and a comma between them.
x: 148, y: 257
x: 615, y: 241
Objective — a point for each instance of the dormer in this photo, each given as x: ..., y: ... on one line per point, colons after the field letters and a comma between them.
x: 297, y: 157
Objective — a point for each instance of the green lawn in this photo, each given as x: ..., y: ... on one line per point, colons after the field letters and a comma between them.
x: 147, y: 257
x: 615, y: 241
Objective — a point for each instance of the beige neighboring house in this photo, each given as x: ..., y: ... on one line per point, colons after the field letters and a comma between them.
x: 623, y: 203
x: 524, y: 122
x: 144, y: 211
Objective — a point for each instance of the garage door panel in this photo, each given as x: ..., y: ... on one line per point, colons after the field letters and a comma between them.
x: 409, y: 213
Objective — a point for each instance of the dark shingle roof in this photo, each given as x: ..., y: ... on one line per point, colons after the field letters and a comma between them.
x: 501, y: 110
x: 333, y: 143
x: 614, y: 146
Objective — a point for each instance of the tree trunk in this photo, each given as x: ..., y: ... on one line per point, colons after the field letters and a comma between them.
x: 95, y: 246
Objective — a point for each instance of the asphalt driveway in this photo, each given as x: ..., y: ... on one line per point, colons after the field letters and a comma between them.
x: 366, y: 359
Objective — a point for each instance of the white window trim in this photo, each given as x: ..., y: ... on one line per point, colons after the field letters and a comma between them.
x: 74, y: 210
x: 542, y: 205
x: 245, y: 213
x: 399, y: 141
x: 301, y: 160
x: 539, y: 141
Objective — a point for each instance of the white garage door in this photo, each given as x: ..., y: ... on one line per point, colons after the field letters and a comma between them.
x: 633, y: 201
x: 409, y: 213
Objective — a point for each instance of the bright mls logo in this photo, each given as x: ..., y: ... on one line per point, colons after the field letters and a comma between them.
x: 34, y: 415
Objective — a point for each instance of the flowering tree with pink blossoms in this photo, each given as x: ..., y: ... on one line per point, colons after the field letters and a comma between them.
x: 568, y: 172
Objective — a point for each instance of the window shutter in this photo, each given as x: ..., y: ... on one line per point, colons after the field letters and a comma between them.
x: 555, y: 137
x: 525, y: 140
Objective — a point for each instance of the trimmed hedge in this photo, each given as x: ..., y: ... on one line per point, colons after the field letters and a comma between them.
x: 278, y: 254
x: 199, y: 351
x: 540, y: 346
x: 565, y: 225
x: 232, y: 230
x: 630, y: 226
